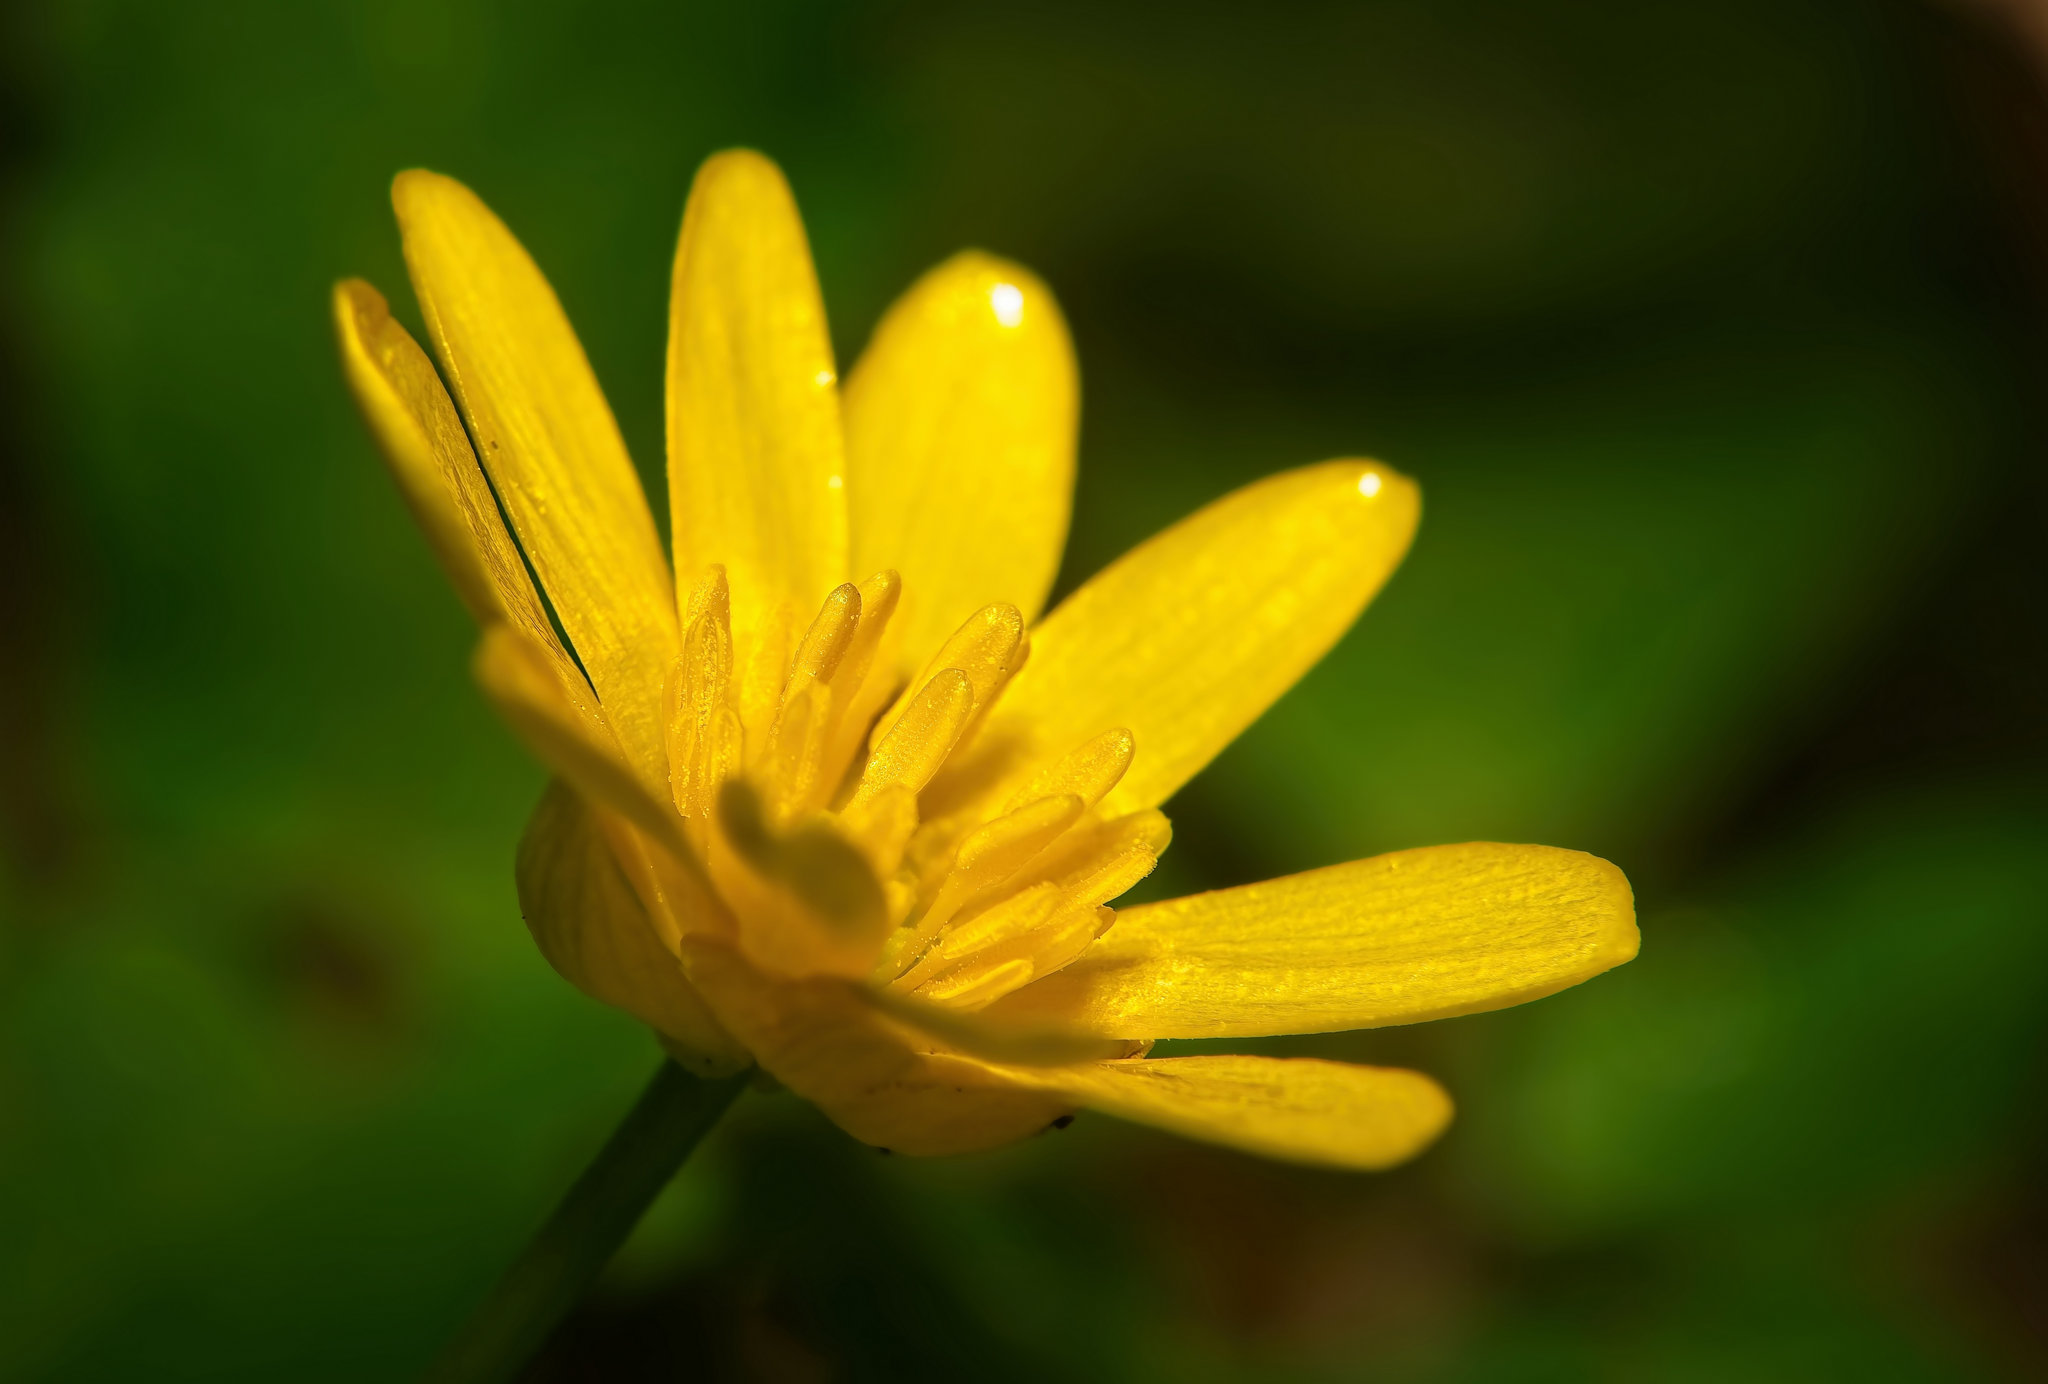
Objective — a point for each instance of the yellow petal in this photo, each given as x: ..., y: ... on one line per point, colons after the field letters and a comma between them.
x: 593, y: 929
x: 579, y: 746
x: 1421, y: 934
x: 960, y: 427
x: 891, y: 1079
x: 1191, y: 635
x: 416, y: 428
x: 756, y: 470
x: 415, y: 425
x: 885, y: 1083
x: 547, y: 439
x: 1299, y: 1109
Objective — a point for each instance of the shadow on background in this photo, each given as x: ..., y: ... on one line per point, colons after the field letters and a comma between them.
x: 1713, y: 330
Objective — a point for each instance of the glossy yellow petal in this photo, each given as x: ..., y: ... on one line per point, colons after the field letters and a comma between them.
x: 960, y: 427
x: 889, y: 1082
x: 415, y: 425
x: 1299, y: 1109
x: 547, y: 439
x: 1421, y: 934
x: 1187, y: 638
x: 577, y: 745
x: 409, y: 414
x: 594, y: 930
x: 756, y: 469
x: 882, y: 1081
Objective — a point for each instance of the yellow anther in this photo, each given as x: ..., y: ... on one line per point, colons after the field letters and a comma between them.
x: 1103, y: 861
x: 796, y: 747
x: 856, y: 696
x: 989, y: 647
x: 1089, y: 770
x: 702, y: 730
x: 995, y: 851
x: 1005, y: 844
x: 1029, y: 935
x: 1067, y: 936
x: 878, y: 597
x: 1013, y: 917
x: 921, y: 738
x: 919, y: 959
x: 825, y: 644
x: 973, y: 988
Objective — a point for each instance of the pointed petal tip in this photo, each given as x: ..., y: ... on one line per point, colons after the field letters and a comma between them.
x: 1190, y: 636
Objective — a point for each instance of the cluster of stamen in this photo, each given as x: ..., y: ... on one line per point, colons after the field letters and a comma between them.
x: 853, y: 825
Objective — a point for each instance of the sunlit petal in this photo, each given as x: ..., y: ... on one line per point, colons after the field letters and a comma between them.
x: 960, y: 428
x: 592, y: 928
x: 1299, y: 1109
x: 1187, y: 638
x: 880, y: 1080
x: 1421, y: 934
x: 547, y: 439
x: 756, y: 467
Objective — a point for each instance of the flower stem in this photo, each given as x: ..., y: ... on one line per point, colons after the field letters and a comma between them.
x: 562, y: 1260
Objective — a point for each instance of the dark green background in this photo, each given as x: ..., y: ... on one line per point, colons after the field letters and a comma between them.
x: 1713, y: 331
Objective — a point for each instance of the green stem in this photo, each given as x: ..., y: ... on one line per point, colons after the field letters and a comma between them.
x: 559, y: 1264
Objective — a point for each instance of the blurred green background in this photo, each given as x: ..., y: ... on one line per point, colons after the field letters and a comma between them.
x: 1715, y: 331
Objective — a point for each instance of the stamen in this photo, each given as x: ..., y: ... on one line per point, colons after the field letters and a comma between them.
x: 1089, y: 770
x: 1073, y: 933
x: 1013, y: 917
x: 703, y: 731
x: 989, y: 648
x: 1002, y: 921
x: 1026, y: 937
x: 1100, y: 864
x: 974, y: 989
x: 856, y: 696
x: 796, y: 748
x: 914, y: 748
x: 826, y: 643
x: 957, y: 909
x: 794, y: 768
x: 992, y: 853
x: 1048, y: 921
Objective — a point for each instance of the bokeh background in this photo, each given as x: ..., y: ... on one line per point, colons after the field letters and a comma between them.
x: 1716, y: 333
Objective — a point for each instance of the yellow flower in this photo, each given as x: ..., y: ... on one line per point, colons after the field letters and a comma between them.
x: 814, y: 808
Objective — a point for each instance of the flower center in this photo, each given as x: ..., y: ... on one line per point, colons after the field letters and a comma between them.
x: 807, y: 773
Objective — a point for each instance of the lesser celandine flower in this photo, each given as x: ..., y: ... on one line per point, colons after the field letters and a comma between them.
x: 832, y: 798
